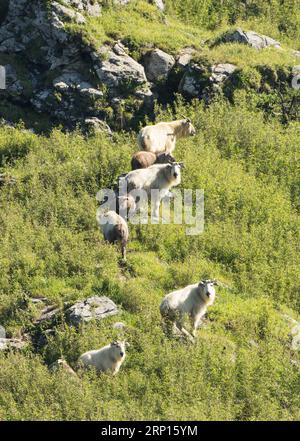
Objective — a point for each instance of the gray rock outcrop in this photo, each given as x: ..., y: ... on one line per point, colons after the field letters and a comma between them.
x: 157, y: 65
x: 12, y: 343
x: 185, y: 56
x: 93, y: 308
x: 258, y: 41
x: 198, y: 82
x: 158, y: 3
x: 56, y: 73
x: 89, y: 7
x: 94, y: 125
x: 118, y: 71
x: 220, y: 72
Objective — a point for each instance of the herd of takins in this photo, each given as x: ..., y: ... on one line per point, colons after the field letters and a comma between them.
x: 153, y: 168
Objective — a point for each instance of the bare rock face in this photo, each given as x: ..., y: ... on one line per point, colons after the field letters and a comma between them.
x: 48, y: 313
x: 190, y: 85
x: 89, y: 7
x: 95, y: 308
x: 250, y: 38
x: 158, y: 65
x: 59, y: 70
x: 220, y: 72
x: 198, y: 83
x: 72, y: 80
x: 185, y: 56
x: 13, y: 84
x: 12, y: 343
x: 118, y: 71
x: 67, y: 13
x: 94, y: 125
x: 158, y: 3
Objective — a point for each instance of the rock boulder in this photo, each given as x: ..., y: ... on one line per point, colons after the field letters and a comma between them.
x: 93, y: 308
x: 118, y: 71
x: 158, y: 65
x: 258, y: 41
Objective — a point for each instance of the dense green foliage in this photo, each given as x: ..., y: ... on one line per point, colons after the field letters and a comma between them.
x: 242, y: 366
x: 279, y: 16
x: 192, y: 22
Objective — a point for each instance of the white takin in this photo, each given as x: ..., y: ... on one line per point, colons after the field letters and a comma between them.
x: 109, y: 358
x: 159, y: 177
x: 192, y: 300
x: 161, y: 137
x: 114, y: 229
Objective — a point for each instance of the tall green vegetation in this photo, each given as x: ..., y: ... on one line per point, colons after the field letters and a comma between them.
x: 284, y: 14
x: 242, y: 366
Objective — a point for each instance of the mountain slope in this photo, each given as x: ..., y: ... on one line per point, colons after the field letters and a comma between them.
x: 245, y: 363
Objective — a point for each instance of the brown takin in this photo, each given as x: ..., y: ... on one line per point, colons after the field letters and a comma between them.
x: 162, y: 137
x: 114, y: 229
x: 146, y: 159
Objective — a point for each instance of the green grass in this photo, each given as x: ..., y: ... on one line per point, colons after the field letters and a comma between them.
x: 275, y: 18
x: 245, y: 56
x: 139, y: 24
x: 241, y: 367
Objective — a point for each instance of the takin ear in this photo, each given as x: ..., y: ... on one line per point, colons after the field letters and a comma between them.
x: 201, y: 284
x: 104, y: 200
x: 187, y: 121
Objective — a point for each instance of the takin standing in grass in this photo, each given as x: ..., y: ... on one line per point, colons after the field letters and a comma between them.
x: 159, y: 177
x: 108, y: 358
x: 124, y: 205
x: 61, y: 364
x: 146, y: 159
x: 192, y: 300
x: 114, y: 229
x: 162, y: 137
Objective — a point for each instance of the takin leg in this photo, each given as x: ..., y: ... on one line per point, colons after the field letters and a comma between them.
x: 155, y: 208
x: 197, y: 322
x: 123, y: 248
x: 178, y: 324
x: 170, y: 143
x: 116, y: 369
x: 167, y: 326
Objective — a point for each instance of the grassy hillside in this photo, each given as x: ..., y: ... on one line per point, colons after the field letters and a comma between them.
x: 192, y: 22
x: 242, y: 366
